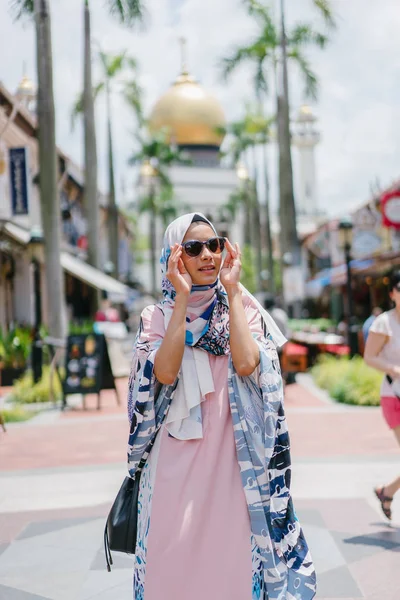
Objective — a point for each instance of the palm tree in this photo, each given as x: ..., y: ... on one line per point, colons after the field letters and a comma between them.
x: 290, y: 45
x: 263, y: 52
x: 112, y: 66
x: 49, y: 197
x: 127, y: 12
x: 246, y: 135
x: 156, y: 155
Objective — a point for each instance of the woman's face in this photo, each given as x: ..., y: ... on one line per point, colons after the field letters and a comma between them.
x: 203, y: 269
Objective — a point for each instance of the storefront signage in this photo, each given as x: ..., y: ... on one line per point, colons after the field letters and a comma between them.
x: 19, y: 181
x: 390, y: 205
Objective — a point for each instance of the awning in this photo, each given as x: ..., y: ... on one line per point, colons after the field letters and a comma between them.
x: 116, y: 291
x: 335, y: 276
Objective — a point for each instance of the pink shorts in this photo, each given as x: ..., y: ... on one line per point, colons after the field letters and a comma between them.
x: 391, y: 411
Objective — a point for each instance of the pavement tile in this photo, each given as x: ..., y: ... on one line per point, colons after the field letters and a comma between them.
x: 378, y: 575
x: 8, y: 593
x: 296, y: 396
x: 350, y: 514
x: 42, y: 527
x: 339, y: 583
x: 120, y: 561
x: 332, y: 433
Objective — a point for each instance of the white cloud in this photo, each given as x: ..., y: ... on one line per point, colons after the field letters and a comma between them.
x: 358, y: 105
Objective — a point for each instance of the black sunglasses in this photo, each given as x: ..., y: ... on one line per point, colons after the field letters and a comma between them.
x: 195, y: 247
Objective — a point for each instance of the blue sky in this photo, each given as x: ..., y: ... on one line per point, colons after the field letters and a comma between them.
x: 358, y: 107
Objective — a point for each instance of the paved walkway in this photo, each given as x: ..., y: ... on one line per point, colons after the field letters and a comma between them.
x: 59, y: 474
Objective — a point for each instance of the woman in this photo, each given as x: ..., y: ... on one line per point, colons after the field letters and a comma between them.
x: 215, y: 519
x: 382, y: 352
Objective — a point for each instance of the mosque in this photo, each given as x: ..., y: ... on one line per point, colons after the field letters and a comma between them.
x: 191, y: 115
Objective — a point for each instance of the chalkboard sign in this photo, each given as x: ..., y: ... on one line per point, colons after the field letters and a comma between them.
x: 87, y: 366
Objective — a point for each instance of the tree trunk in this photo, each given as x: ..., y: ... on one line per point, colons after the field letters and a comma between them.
x: 256, y: 224
x: 287, y: 208
x: 153, y: 242
x: 268, y: 232
x: 49, y: 197
x: 247, y: 212
x: 113, y: 237
x: 91, y: 204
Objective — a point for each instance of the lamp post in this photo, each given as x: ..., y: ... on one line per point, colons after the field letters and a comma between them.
x: 35, y: 244
x: 346, y: 235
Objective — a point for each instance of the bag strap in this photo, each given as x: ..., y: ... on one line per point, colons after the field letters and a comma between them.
x: 390, y: 380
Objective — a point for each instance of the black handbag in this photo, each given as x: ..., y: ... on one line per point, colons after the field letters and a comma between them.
x: 121, y: 527
x: 120, y: 531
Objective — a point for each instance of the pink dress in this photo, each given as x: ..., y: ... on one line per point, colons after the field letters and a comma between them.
x: 195, y: 506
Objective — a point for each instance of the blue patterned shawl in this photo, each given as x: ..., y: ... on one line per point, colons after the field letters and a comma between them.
x: 263, y: 451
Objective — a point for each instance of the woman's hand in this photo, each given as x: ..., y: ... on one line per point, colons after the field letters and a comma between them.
x: 395, y: 372
x: 232, y: 267
x: 177, y: 273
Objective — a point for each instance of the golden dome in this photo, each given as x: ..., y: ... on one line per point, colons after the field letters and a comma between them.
x: 26, y: 87
x: 306, y: 114
x: 189, y: 113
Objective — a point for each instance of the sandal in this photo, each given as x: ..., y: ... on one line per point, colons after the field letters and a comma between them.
x: 383, y: 499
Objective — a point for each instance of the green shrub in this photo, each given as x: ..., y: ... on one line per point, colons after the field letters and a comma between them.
x: 16, y: 414
x: 15, y: 347
x: 81, y: 328
x: 348, y: 381
x: 308, y: 324
x: 26, y: 392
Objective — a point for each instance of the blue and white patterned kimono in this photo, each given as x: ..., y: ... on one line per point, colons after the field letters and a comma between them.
x: 282, y: 564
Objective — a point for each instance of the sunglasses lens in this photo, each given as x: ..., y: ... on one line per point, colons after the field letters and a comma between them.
x: 216, y: 245
x: 193, y: 248
x: 213, y: 245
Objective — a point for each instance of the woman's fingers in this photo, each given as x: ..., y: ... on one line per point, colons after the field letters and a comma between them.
x: 181, y: 267
x: 230, y: 248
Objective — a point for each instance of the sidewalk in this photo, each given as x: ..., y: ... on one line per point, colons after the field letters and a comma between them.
x: 59, y: 475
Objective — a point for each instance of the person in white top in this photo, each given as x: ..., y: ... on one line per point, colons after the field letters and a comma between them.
x: 382, y: 352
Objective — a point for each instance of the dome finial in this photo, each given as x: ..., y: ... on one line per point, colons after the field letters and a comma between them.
x: 184, y: 65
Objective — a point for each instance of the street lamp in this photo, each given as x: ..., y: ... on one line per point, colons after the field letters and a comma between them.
x: 346, y: 238
x: 35, y: 245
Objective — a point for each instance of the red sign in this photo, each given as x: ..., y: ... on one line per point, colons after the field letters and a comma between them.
x: 390, y: 205
x: 82, y: 242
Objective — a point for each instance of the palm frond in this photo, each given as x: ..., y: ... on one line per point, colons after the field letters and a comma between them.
x: 231, y: 63
x: 258, y: 10
x: 260, y: 81
x: 22, y: 8
x: 133, y: 94
x: 311, y: 81
x: 77, y: 108
x: 304, y: 34
x: 98, y: 89
x: 76, y: 111
x: 128, y: 12
x: 115, y: 64
x: 324, y: 6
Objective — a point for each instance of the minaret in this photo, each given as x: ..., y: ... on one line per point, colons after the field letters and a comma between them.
x: 26, y: 93
x: 305, y: 138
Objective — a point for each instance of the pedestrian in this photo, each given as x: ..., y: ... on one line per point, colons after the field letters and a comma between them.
x: 383, y: 353
x: 279, y: 315
x: 376, y: 311
x: 215, y: 519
